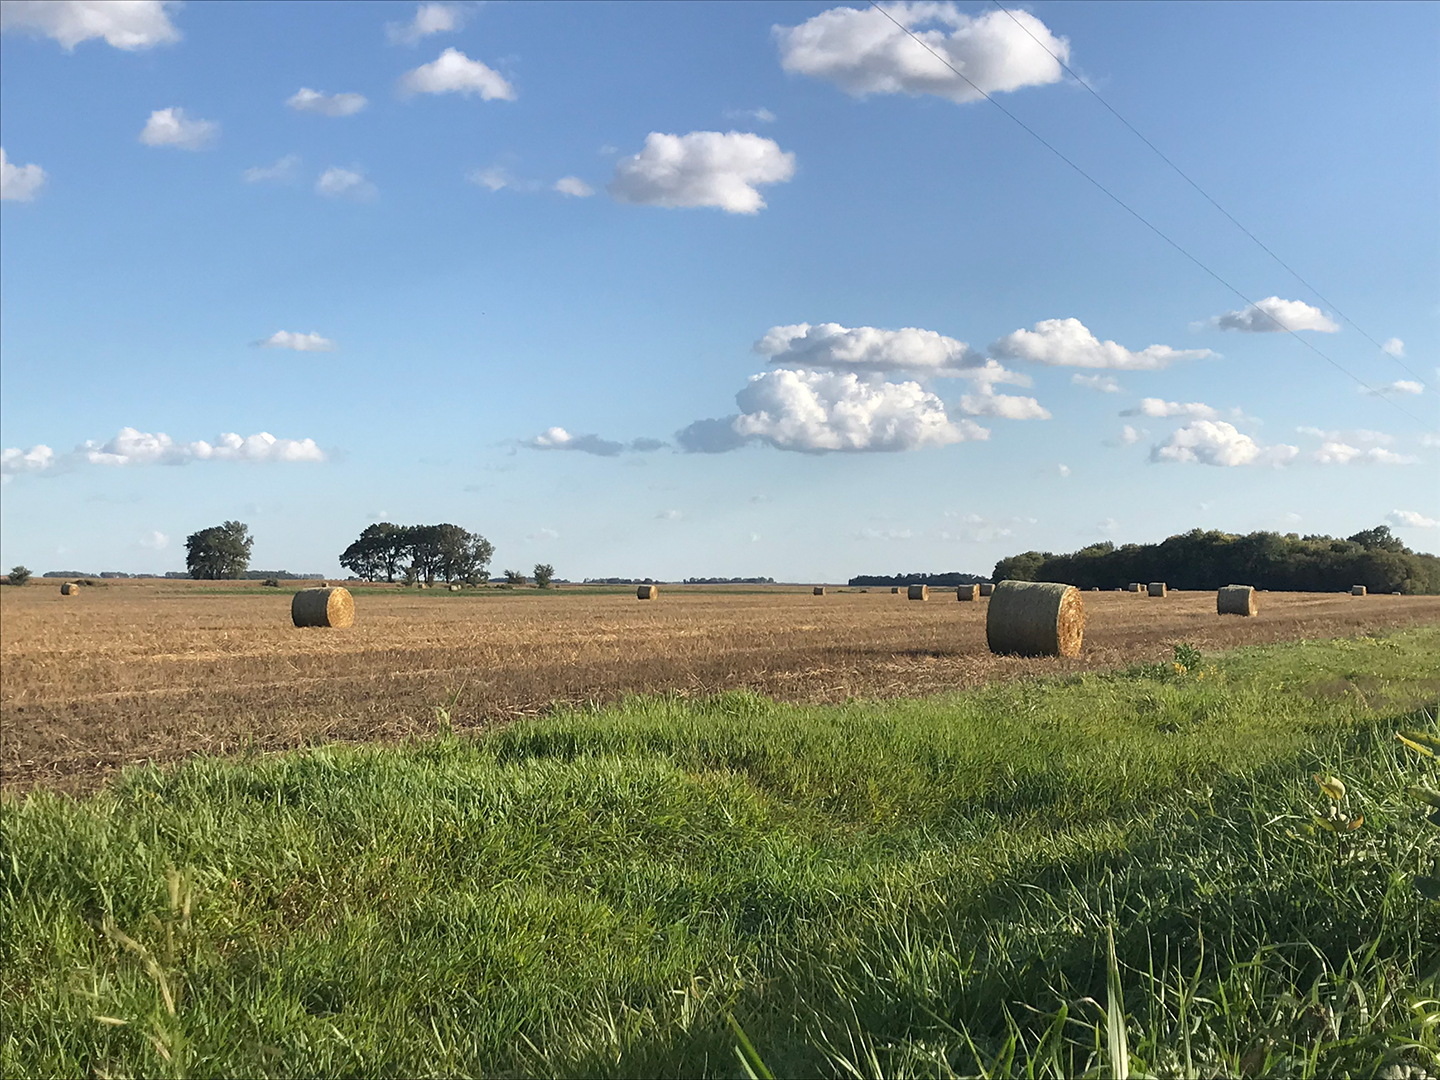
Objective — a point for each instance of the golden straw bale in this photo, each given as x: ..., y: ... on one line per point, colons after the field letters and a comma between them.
x: 1155, y: 588
x: 819, y: 590
x: 70, y: 588
x: 918, y: 592
x: 1236, y: 600
x: 323, y: 607
x: 1357, y: 590
x: 646, y: 592
x: 454, y: 587
x: 986, y: 588
x: 1035, y: 618
x: 894, y: 590
x: 967, y: 592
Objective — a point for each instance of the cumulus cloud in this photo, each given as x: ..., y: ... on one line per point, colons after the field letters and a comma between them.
x: 985, y: 402
x: 1159, y: 408
x: 1069, y: 343
x: 864, y: 52
x: 132, y: 447
x: 455, y: 73
x: 1409, y: 519
x: 703, y: 168
x: 1273, y: 315
x: 819, y: 412
x: 498, y: 178
x: 286, y: 339
x: 19, y: 183
x: 1395, y: 347
x: 1214, y: 442
x: 284, y: 169
x: 1339, y: 453
x: 125, y: 24
x: 314, y: 101
x: 1105, y: 384
x: 154, y: 540
x: 1128, y: 436
x: 429, y: 19
x: 338, y: 183
x: 1400, y: 386
x: 171, y: 127
x: 574, y: 186
x: 1363, y: 436
x: 870, y: 350
x: 557, y: 438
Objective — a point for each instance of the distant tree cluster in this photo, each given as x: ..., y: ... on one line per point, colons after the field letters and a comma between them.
x: 419, y: 553
x: 936, y: 580
x: 221, y: 551
x: 622, y: 581
x: 1202, y: 559
x: 729, y: 581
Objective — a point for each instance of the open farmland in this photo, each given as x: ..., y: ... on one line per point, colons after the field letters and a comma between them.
x: 137, y: 671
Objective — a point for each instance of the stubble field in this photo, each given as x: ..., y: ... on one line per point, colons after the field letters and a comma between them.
x: 150, y: 671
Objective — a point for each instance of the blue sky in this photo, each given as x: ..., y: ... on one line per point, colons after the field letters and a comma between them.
x: 732, y: 289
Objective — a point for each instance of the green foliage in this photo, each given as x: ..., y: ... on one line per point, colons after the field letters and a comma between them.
x: 419, y: 553
x: 544, y: 574
x: 221, y: 551
x: 727, y: 886
x: 1210, y: 560
x: 514, y: 577
x: 19, y: 575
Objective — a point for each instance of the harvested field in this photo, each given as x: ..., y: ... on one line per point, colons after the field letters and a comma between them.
x: 157, y: 671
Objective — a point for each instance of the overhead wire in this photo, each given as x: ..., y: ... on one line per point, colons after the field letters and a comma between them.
x: 1140, y: 217
x: 1206, y: 195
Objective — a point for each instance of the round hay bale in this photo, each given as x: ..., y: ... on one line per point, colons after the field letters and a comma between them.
x: 1357, y: 590
x: 270, y: 583
x: 1236, y: 600
x: 895, y: 590
x: 967, y: 592
x: 647, y: 592
x: 819, y: 590
x: 1135, y: 587
x: 918, y: 592
x: 986, y: 588
x: 454, y: 587
x: 69, y: 589
x: 1155, y: 588
x: 1035, y: 618
x: 323, y: 607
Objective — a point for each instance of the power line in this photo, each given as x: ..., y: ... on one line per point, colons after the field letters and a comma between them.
x: 1138, y: 216
x: 1206, y: 195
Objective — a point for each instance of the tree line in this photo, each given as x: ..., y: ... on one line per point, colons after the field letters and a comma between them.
x: 935, y: 580
x: 1202, y: 559
x: 419, y: 553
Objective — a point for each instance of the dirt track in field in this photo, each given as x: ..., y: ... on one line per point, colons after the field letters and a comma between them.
x: 135, y: 671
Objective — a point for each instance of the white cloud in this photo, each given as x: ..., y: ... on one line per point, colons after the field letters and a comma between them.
x: 1068, y: 343
x: 497, y: 178
x: 544, y: 534
x: 338, y: 183
x: 985, y: 402
x: 1129, y: 436
x: 1105, y: 384
x: 455, y: 73
x: 1064, y: 470
x: 574, y: 186
x: 1214, y: 442
x: 1400, y: 386
x: 761, y: 115
x: 703, y: 168
x: 38, y: 458
x: 1109, y: 526
x: 132, y: 447
x: 1430, y: 439
x: 670, y: 515
x: 1273, y: 315
x: 1159, y: 408
x: 818, y: 412
x: 154, y: 541
x: 314, y: 101
x: 1395, y: 347
x: 980, y: 530
x: 429, y: 19
x: 284, y: 169
x: 1409, y: 519
x: 1355, y: 435
x: 171, y: 127
x: 557, y: 438
x: 1339, y: 453
x: 125, y: 24
x: 864, y: 52
x: 19, y: 183
x: 870, y: 350
x: 286, y: 339
x: 884, y: 534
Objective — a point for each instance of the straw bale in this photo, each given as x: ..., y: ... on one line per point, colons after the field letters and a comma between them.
x: 70, y: 588
x: 894, y: 590
x: 967, y: 592
x: 1236, y: 600
x: 819, y: 590
x: 454, y: 587
x: 1135, y: 586
x: 986, y: 588
x: 918, y: 592
x: 1035, y: 618
x: 646, y: 592
x: 1155, y: 588
x: 1357, y: 590
x: 323, y: 607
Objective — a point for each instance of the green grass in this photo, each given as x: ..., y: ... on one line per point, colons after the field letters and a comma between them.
x: 735, y: 886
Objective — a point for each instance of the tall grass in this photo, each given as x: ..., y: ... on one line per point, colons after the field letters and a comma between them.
x: 1096, y: 875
